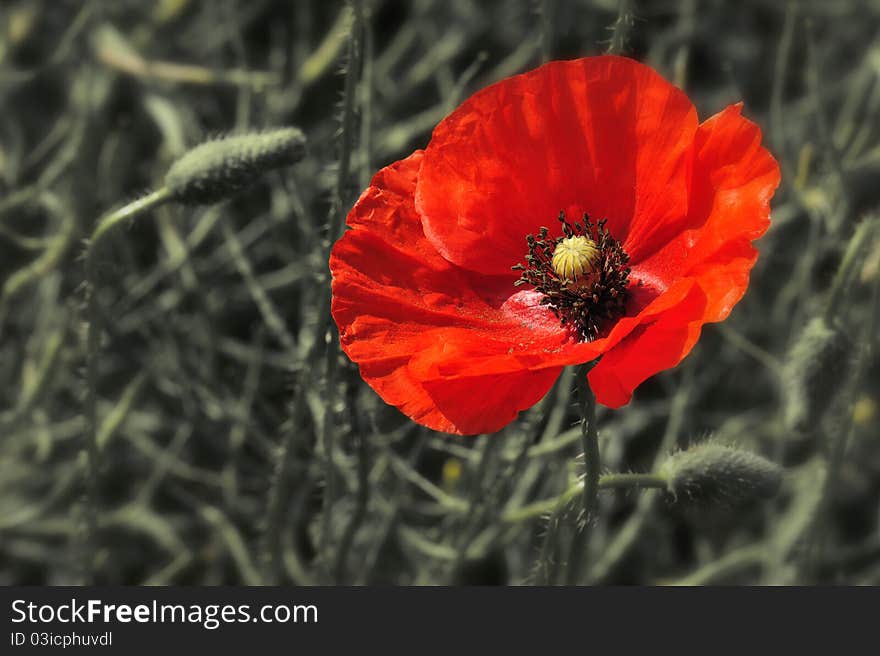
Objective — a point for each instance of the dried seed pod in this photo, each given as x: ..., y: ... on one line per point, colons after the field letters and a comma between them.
x: 218, y: 169
x: 812, y: 374
x: 718, y: 473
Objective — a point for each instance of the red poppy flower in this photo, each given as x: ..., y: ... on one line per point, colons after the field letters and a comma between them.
x: 423, y: 292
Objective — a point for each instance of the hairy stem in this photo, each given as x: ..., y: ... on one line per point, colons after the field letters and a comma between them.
x: 328, y: 437
x: 590, y: 438
x: 620, y: 29
x: 606, y: 482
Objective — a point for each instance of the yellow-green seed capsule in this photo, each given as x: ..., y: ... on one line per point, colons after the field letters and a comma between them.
x: 575, y: 259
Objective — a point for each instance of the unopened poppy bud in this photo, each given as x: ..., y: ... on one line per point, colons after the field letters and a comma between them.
x: 719, y: 473
x: 218, y: 169
x: 812, y: 373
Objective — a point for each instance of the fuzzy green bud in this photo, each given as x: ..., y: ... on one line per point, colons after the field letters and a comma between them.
x: 218, y: 169
x: 812, y: 375
x: 718, y: 473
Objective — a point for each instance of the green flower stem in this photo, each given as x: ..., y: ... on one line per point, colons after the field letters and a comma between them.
x: 639, y: 481
x: 620, y: 29
x: 729, y: 565
x: 606, y: 482
x: 92, y: 448
x: 836, y: 294
x: 130, y: 211
x: 336, y: 227
x: 362, y: 501
x: 279, y: 491
x: 590, y: 438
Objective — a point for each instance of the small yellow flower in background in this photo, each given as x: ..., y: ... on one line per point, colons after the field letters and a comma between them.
x: 451, y: 472
x: 864, y: 411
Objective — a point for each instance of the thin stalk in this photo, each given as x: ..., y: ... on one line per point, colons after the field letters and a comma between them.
x: 360, y: 510
x: 331, y: 352
x: 850, y: 257
x: 545, y: 35
x: 279, y: 492
x: 130, y: 211
x: 366, y: 102
x: 620, y: 29
x: 606, y: 482
x: 780, y: 76
x: 93, y: 344
x: 638, y: 481
x: 725, y: 567
x: 817, y: 95
x: 590, y: 438
x: 348, y: 108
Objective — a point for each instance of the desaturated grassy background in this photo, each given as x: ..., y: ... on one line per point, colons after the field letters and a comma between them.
x: 227, y: 456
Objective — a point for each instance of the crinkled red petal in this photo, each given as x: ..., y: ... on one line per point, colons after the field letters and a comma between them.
x: 733, y: 182
x: 602, y: 135
x: 404, y: 313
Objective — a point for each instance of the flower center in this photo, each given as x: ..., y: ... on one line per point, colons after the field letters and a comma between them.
x: 583, y: 275
x: 575, y: 258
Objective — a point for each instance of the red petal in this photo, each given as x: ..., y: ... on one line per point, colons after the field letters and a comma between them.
x: 737, y: 178
x: 605, y: 135
x: 734, y: 179
x: 648, y: 349
x: 404, y: 314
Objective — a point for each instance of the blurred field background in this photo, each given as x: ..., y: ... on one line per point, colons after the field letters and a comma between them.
x: 228, y: 455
